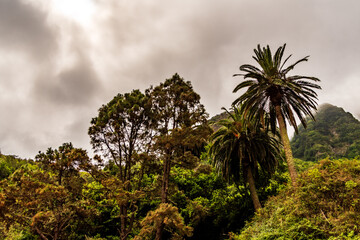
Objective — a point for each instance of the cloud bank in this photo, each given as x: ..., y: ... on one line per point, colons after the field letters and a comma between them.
x: 56, y: 71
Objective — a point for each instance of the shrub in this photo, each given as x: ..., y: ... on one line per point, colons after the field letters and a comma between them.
x: 324, y: 206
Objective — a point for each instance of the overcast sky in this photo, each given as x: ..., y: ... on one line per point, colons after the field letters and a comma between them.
x: 60, y: 60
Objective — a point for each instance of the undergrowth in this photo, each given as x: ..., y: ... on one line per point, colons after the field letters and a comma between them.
x: 326, y: 205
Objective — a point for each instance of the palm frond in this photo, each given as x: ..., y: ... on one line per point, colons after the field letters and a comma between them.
x: 269, y: 85
x: 242, y: 141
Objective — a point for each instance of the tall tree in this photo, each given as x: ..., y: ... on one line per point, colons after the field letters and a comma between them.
x: 121, y: 134
x: 182, y: 125
x: 240, y: 146
x: 182, y: 128
x: 270, y: 89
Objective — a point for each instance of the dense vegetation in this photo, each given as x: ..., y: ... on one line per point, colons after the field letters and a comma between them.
x: 151, y: 177
x: 335, y: 134
x: 34, y: 205
x: 161, y: 171
x: 324, y: 206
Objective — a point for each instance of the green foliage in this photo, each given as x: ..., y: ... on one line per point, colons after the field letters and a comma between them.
x: 211, y: 206
x: 270, y: 86
x: 65, y: 163
x: 176, y: 104
x: 122, y: 133
x: 16, y: 232
x: 9, y: 164
x: 33, y: 200
x: 334, y: 134
x: 271, y: 93
x: 324, y: 206
x: 106, y: 217
x: 242, y: 146
x: 242, y: 142
x: 122, y: 128
x: 302, y: 165
x: 182, y: 127
x: 208, y: 204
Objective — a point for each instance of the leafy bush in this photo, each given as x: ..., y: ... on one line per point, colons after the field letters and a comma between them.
x: 213, y: 207
x: 324, y: 206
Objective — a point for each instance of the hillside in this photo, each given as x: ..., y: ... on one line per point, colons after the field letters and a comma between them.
x: 324, y: 206
x: 216, y: 118
x: 335, y: 133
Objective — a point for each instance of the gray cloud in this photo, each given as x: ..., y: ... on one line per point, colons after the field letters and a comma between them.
x: 24, y: 28
x: 205, y: 42
x: 75, y: 86
x: 68, y: 92
x: 132, y: 45
x: 48, y: 81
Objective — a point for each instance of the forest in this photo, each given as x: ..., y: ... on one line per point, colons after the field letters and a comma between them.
x: 163, y: 170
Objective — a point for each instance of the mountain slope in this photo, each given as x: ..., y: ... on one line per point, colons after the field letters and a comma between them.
x: 335, y: 133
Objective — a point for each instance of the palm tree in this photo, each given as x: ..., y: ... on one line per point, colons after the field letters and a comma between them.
x: 240, y: 146
x: 271, y: 90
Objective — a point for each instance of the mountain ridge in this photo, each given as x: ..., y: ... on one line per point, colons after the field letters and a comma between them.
x: 334, y: 134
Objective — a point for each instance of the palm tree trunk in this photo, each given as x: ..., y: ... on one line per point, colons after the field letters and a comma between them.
x: 253, y: 193
x: 287, y: 148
